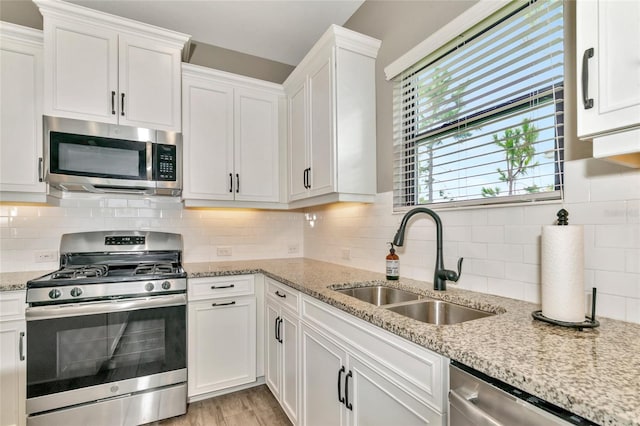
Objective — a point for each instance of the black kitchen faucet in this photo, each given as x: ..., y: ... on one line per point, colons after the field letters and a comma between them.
x: 440, y: 275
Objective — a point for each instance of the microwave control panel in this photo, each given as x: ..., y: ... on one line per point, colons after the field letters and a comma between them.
x: 165, y: 162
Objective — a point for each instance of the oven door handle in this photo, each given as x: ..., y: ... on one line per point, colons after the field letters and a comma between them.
x: 101, y: 307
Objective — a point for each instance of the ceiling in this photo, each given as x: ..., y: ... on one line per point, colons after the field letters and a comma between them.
x: 282, y: 31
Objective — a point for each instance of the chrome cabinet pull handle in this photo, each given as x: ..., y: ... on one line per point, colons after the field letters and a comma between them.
x: 21, y: 346
x: 223, y: 304
x: 586, y: 102
x: 214, y: 287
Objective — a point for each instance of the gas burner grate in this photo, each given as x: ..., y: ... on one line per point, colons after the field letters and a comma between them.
x: 154, y: 269
x: 85, y: 271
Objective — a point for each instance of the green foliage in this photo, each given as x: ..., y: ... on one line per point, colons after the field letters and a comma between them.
x: 490, y: 192
x: 519, y: 149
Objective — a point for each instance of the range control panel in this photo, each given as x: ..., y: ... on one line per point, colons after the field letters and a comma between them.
x: 124, y: 240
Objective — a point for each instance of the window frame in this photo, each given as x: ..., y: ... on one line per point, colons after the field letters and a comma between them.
x: 462, y: 29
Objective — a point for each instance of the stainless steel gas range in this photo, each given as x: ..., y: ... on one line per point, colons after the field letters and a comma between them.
x: 106, y: 333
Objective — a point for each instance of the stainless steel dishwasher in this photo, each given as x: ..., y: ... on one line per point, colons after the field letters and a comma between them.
x: 479, y: 400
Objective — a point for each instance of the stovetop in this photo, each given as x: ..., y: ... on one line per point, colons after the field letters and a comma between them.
x: 112, y: 264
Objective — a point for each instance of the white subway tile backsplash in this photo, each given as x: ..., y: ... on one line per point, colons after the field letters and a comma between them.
x: 252, y: 234
x: 632, y: 261
x: 598, y: 213
x: 506, y: 252
x: 522, y: 272
x: 528, y: 234
x: 605, y: 259
x: 621, y: 236
x: 501, y: 245
x: 611, y: 306
x: 487, y: 234
x: 633, y: 310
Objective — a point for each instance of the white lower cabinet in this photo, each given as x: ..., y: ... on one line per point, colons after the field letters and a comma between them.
x: 281, y: 353
x: 221, y: 334
x: 13, y: 375
x: 355, y: 374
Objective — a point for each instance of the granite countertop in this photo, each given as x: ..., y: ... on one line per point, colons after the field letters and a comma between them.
x: 594, y: 373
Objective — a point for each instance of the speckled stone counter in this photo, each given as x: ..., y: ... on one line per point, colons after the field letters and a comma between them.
x: 10, y: 281
x: 593, y: 373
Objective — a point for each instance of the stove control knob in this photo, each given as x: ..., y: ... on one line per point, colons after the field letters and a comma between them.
x: 149, y: 287
x: 55, y: 293
x: 166, y: 285
x: 76, y: 291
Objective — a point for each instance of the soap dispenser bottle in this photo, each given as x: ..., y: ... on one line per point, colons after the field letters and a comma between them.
x: 393, y: 264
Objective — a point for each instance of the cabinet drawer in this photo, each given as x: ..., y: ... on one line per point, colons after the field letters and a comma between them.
x: 416, y: 369
x: 12, y: 305
x: 217, y: 287
x: 283, y: 294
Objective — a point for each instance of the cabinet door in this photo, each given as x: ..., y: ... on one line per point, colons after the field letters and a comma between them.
x: 149, y: 81
x: 298, y: 143
x: 272, y: 350
x: 13, y: 382
x: 256, y: 146
x: 81, y: 71
x: 322, y: 362
x: 207, y: 140
x: 289, y: 355
x: 21, y: 117
x: 222, y: 344
x: 322, y: 129
x: 611, y: 29
x: 376, y: 400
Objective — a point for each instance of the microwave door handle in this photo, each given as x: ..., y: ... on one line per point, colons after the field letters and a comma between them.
x: 103, y: 189
x: 151, y: 160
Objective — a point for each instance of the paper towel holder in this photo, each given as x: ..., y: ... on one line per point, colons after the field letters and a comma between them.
x: 589, y: 322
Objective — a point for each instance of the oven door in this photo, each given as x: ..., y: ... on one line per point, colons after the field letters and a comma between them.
x: 87, y: 352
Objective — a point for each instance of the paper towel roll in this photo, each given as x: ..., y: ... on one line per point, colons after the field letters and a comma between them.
x: 562, y: 273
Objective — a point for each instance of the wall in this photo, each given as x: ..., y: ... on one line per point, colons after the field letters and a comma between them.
x: 26, y: 230
x: 501, y: 246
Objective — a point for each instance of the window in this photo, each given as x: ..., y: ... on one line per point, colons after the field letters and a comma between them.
x: 480, y: 120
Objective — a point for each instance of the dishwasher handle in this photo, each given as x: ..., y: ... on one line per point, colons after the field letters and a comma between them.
x: 471, y: 411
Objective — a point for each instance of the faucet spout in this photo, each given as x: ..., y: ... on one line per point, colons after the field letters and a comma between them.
x: 440, y: 275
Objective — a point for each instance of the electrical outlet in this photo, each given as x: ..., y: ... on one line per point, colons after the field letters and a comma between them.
x: 346, y: 254
x: 293, y: 248
x: 223, y: 251
x: 46, y: 256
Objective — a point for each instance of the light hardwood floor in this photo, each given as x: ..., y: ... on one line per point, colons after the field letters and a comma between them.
x: 249, y: 407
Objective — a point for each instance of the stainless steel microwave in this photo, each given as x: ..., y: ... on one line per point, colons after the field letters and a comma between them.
x: 107, y: 158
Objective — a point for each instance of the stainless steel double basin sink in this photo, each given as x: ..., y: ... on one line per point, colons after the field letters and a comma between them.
x: 416, y: 306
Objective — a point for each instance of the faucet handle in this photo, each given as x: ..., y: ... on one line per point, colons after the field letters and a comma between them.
x: 452, y: 275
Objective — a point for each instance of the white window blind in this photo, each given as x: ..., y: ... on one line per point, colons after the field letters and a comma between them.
x: 481, y: 121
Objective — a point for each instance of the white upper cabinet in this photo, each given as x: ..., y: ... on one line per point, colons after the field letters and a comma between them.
x: 332, y: 121
x: 104, y: 68
x: 608, y: 62
x: 21, y: 114
x: 231, y: 136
